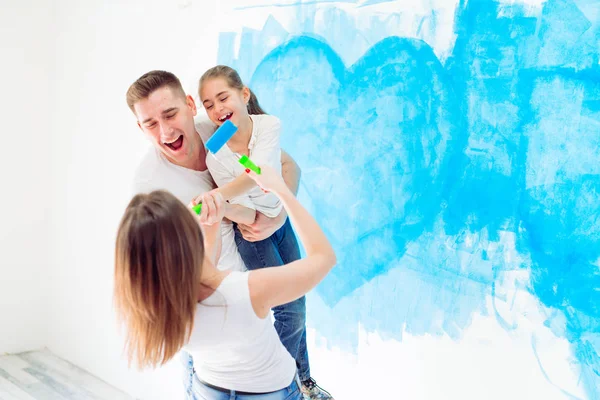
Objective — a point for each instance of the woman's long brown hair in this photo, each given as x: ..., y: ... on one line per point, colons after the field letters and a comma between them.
x: 158, y: 258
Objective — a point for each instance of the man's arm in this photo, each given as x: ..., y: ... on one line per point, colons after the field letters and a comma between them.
x: 291, y: 172
x: 263, y: 227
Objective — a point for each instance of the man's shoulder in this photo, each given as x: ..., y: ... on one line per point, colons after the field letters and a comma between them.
x: 146, y: 171
x: 150, y: 160
x: 205, y: 127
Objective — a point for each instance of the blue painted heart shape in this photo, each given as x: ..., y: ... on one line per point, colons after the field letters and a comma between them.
x: 372, y: 140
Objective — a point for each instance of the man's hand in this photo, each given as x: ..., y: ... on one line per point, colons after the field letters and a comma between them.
x: 263, y: 227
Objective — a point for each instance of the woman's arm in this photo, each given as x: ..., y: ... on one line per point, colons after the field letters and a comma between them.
x: 213, y: 208
x: 270, y: 287
x: 263, y: 226
x: 212, y: 242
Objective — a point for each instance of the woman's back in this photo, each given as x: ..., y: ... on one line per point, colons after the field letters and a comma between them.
x: 232, y: 347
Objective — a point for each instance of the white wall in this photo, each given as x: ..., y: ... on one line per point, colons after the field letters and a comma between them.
x: 101, y: 48
x: 69, y: 67
x: 26, y: 35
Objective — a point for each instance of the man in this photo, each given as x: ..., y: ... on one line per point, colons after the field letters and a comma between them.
x: 178, y: 164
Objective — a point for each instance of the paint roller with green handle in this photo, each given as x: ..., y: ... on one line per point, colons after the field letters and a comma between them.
x: 217, y: 141
x: 246, y: 162
x: 197, y: 208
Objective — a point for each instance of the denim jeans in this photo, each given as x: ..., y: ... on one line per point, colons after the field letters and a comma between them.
x: 196, y: 390
x: 290, y: 319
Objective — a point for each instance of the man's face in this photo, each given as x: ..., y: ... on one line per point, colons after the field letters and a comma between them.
x: 167, y: 118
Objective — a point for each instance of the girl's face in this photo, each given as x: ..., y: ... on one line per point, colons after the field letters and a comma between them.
x: 222, y: 102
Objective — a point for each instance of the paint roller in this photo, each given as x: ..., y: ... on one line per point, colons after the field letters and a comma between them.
x: 217, y: 141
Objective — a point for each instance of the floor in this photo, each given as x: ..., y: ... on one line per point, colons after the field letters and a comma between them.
x: 42, y: 375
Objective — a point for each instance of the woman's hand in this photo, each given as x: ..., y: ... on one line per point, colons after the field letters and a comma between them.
x: 268, y: 180
x: 213, y: 207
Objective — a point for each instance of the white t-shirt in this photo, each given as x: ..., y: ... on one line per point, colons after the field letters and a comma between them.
x: 264, y: 149
x: 155, y: 172
x: 235, y: 349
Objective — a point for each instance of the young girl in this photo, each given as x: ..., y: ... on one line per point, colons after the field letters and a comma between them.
x: 170, y: 295
x: 225, y: 97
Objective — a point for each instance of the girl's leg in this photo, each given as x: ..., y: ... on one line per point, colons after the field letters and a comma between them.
x: 289, y: 249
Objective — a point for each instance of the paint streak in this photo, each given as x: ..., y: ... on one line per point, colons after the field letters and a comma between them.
x: 535, y: 352
x: 436, y: 177
x: 291, y: 4
x: 343, y: 29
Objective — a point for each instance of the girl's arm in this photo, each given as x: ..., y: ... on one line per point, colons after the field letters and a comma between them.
x: 240, y: 214
x: 290, y: 170
x: 241, y: 209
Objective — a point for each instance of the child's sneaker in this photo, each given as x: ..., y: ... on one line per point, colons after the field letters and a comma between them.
x: 312, y: 391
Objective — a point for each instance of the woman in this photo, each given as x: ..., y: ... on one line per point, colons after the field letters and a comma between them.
x: 170, y: 295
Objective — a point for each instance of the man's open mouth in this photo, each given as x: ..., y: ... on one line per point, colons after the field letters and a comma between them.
x: 176, y: 145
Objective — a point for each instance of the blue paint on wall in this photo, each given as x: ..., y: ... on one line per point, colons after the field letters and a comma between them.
x: 366, y: 115
x: 293, y: 3
x: 416, y: 168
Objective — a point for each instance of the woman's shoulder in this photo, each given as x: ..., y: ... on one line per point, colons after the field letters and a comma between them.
x: 235, y: 280
x: 236, y: 288
x: 233, y: 289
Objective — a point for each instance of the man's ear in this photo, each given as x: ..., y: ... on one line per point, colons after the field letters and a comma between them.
x: 191, y: 104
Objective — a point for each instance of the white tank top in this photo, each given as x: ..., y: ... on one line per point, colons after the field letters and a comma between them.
x: 232, y: 347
